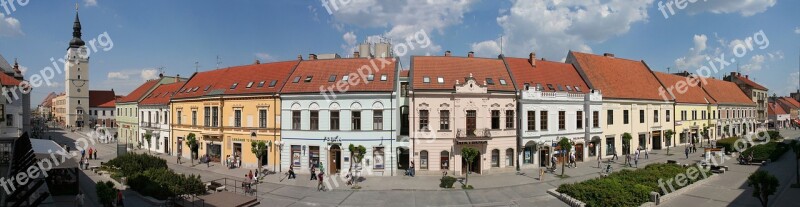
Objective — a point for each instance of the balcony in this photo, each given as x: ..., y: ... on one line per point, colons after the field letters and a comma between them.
x: 145, y: 125
x: 473, y: 133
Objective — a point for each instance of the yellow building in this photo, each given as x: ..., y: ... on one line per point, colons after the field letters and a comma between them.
x: 228, y: 109
x: 695, y: 110
x: 59, y: 108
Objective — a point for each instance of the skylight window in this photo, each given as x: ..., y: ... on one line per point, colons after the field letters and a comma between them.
x: 560, y: 88
x: 272, y: 84
x: 569, y: 88
x: 426, y: 79
x: 489, y: 81
x: 250, y: 84
x: 345, y: 78
x: 234, y: 85
x: 539, y: 87
x: 527, y: 86
x: 207, y: 87
x: 332, y: 78
x: 502, y: 81
x: 296, y: 79
x: 182, y: 90
x: 578, y: 88
x: 384, y: 77
x: 440, y: 79
x: 370, y: 77
x: 550, y: 86
x: 261, y: 84
x: 195, y: 88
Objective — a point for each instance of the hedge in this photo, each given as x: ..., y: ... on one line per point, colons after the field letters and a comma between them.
x: 771, y: 150
x: 626, y: 187
x: 728, y: 143
x: 150, y: 176
x: 132, y: 163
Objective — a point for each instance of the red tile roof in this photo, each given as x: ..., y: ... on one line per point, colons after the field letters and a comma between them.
x: 48, y: 101
x: 617, y: 77
x: 788, y: 101
x: 162, y: 94
x: 219, y: 82
x: 556, y: 74
x: 404, y: 73
x: 775, y: 109
x: 321, y: 71
x: 749, y: 82
x: 453, y: 69
x: 102, y: 99
x: 137, y: 93
x: 692, y: 94
x: 724, y: 92
x: 7, y: 80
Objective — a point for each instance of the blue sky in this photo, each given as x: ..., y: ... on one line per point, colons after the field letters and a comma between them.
x: 150, y: 34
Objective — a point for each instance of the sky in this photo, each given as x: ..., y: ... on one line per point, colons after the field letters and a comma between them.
x: 137, y: 40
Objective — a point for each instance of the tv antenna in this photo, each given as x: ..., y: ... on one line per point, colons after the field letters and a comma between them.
x: 196, y: 66
x: 219, y: 61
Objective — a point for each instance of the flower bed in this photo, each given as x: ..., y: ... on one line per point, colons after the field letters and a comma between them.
x: 626, y: 187
x: 150, y: 176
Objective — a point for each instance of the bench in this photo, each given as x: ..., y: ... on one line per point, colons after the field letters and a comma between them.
x: 215, y: 186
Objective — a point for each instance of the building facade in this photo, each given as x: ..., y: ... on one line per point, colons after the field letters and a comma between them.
x: 460, y: 102
x: 155, y: 120
x: 758, y: 93
x: 695, y: 111
x: 101, y: 109
x: 737, y: 111
x: 76, y: 82
x: 331, y: 104
x: 778, y: 117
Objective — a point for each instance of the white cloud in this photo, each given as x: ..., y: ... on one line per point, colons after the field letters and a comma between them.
x: 349, y: 38
x: 553, y: 27
x: 486, y: 48
x: 118, y: 76
x: 696, y: 56
x: 756, y: 63
x: 797, y: 30
x: 23, y: 69
x: 265, y: 57
x: 150, y: 73
x: 777, y: 55
x: 791, y: 84
x: 9, y: 26
x: 89, y: 3
x: 743, y: 7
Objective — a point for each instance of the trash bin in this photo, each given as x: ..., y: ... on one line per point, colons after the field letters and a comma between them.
x: 655, y: 197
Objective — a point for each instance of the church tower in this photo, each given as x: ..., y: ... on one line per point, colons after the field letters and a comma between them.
x: 77, y: 78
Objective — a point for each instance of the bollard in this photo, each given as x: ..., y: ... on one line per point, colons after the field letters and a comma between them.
x: 655, y: 197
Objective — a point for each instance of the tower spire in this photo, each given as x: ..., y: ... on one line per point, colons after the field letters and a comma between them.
x: 76, y: 41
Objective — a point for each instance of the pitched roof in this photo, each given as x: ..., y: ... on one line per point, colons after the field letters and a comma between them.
x: 617, y: 77
x: 749, y: 82
x: 548, y: 74
x: 451, y: 69
x: 137, y: 93
x: 48, y: 101
x: 311, y: 75
x: 775, y: 109
x: 162, y: 94
x: 102, y: 99
x: 687, y: 93
x: 788, y: 101
x: 724, y: 92
x: 256, y: 78
x: 404, y: 73
x: 7, y: 80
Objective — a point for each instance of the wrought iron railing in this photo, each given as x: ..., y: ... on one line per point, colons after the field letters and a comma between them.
x: 473, y: 133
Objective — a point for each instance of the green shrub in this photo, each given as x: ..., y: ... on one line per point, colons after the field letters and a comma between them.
x: 728, y: 144
x: 132, y: 163
x: 163, y: 183
x: 447, y: 182
x: 106, y: 192
x: 626, y: 187
x: 772, y: 151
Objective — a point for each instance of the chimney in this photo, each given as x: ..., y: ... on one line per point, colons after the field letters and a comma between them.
x: 356, y: 54
x: 161, y: 75
x: 608, y: 54
x: 178, y: 78
x: 447, y: 53
x: 532, y: 59
x: 746, y: 76
x: 257, y: 62
x: 312, y: 56
x: 471, y: 54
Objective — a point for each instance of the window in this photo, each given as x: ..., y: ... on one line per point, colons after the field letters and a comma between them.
x: 345, y: 78
x: 655, y: 116
x: 668, y: 115
x: 249, y: 85
x: 384, y: 77
x: 503, y: 81
x: 207, y: 116
x: 444, y: 120
x: 296, y: 156
x: 194, y: 118
x: 262, y: 118
x: 234, y: 85
x: 356, y: 120
x: 531, y: 120
x: 404, y: 89
x: 495, y: 158
x: 377, y: 156
x: 595, y: 119
x: 562, y: 120
x: 445, y: 160
x: 509, y: 119
x: 237, y: 118
x: 296, y: 79
x: 579, y: 119
x: 543, y: 120
x: 625, y: 117
x: 370, y: 77
x: 214, y: 116
x: 489, y: 81
x: 578, y: 88
x: 509, y: 157
x: 332, y: 78
x: 569, y: 88
x: 426, y: 79
x: 641, y: 116
x: 610, y: 117
x: 9, y: 119
x: 296, y: 120
x: 261, y: 84
x: 314, y: 120
x: 560, y: 88
x: 179, y: 118
x: 423, y: 160
x: 440, y: 79
x: 495, y: 119
x: 423, y: 119
x: 334, y: 120
x: 272, y: 83
x: 377, y: 120
x: 308, y: 79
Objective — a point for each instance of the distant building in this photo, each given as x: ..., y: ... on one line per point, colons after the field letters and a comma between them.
x: 755, y: 91
x: 101, y: 108
x: 76, y: 79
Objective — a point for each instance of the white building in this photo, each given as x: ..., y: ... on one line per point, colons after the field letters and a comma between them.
x: 154, y: 118
x: 101, y: 108
x: 778, y: 117
x: 77, y: 79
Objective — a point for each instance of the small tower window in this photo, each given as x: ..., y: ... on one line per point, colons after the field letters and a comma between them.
x: 79, y: 77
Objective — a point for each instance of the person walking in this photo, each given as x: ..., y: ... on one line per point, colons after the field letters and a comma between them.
x: 320, y: 185
x: 686, y: 151
x: 178, y: 158
x: 636, y: 160
x: 120, y: 198
x: 90, y: 153
x: 646, y: 156
x: 95, y: 154
x: 208, y: 161
x: 572, y: 161
x: 615, y: 157
x: 291, y: 172
x: 250, y: 175
x: 313, y: 172
x: 411, y: 169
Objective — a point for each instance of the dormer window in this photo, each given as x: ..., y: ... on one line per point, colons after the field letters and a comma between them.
x: 550, y: 86
x: 578, y: 88
x: 332, y: 78
x: 234, y: 85
x: 296, y: 79
x: 489, y: 81
x: 502, y: 81
x: 250, y: 84
x: 261, y: 84
x: 440, y: 80
x: 539, y: 87
x: 370, y: 77
x: 426, y: 79
x: 560, y: 88
x: 527, y: 86
x: 345, y: 78
x: 569, y: 88
x: 195, y: 88
x: 272, y: 84
x: 384, y: 77
x: 308, y: 79
x: 207, y: 87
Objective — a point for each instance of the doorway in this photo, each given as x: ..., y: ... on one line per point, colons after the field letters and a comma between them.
x: 656, y: 140
x: 335, y: 154
x: 476, y: 165
x: 579, y: 153
x: 543, y: 155
x: 166, y: 145
x: 471, y: 125
x: 402, y: 160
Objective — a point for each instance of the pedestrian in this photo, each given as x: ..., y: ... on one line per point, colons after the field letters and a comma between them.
x: 250, y: 174
x: 572, y: 160
x: 90, y: 153
x: 553, y: 162
x: 178, y: 158
x: 120, y: 198
x: 83, y: 153
x: 313, y: 172
x: 686, y: 151
x: 79, y: 199
x: 615, y: 157
x: 636, y: 161
x: 320, y: 185
x: 646, y: 155
x: 208, y: 161
x: 256, y: 175
x: 95, y: 154
x: 291, y: 172
x: 412, y: 169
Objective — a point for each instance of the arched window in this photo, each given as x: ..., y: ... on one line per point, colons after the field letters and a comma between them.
x: 509, y: 157
x: 423, y: 159
x: 495, y: 158
x: 445, y: 160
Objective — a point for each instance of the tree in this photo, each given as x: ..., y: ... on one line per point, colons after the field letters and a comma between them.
x: 566, y: 147
x: 704, y: 133
x: 763, y: 185
x: 105, y: 192
x: 626, y: 142
x: 191, y: 142
x: 796, y: 149
x: 148, y: 137
x: 469, y: 155
x: 259, y: 149
x: 668, y: 135
x: 357, y: 153
x: 726, y: 128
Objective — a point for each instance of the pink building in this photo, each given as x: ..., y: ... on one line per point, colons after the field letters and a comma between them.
x: 459, y: 102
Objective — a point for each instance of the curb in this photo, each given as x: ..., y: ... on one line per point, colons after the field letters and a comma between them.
x: 566, y: 198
